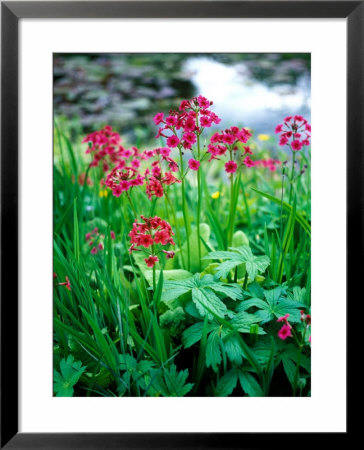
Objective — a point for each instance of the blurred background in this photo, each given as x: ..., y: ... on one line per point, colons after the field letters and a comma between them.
x: 127, y: 90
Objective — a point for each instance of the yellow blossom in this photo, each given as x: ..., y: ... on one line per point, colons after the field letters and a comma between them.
x: 103, y: 193
x: 263, y: 137
x: 215, y: 195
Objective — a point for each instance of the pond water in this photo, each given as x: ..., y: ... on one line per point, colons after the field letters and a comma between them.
x: 127, y: 90
x: 241, y: 99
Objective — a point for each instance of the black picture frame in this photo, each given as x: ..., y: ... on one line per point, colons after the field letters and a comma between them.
x: 11, y: 12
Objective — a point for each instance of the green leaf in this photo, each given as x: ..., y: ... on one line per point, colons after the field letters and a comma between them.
x: 233, y: 349
x: 256, y: 290
x: 175, y: 382
x: 225, y: 267
x: 70, y: 373
x: 273, y: 296
x: 275, y: 305
x: 192, y: 334
x: 238, y: 256
x: 174, y: 289
x: 220, y: 255
x: 203, y: 293
x: 250, y: 385
x: 172, y: 383
x: 253, y: 264
x: 288, y: 307
x: 229, y: 290
x: 298, y: 294
x: 243, y: 322
x: 205, y: 297
x: 213, y: 350
x: 289, y: 368
x: 226, y: 384
x: 168, y: 275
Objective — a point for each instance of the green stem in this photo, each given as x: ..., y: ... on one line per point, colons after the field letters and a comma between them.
x: 178, y: 235
x: 199, y: 193
x: 131, y: 204
x: 292, y: 175
x: 154, y: 279
x: 246, y: 205
x: 184, y: 210
x: 231, y: 213
x: 282, y: 192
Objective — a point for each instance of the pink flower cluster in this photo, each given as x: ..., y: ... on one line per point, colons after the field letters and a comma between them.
x: 120, y: 180
x: 226, y: 141
x: 153, y: 230
x: 193, y: 116
x: 128, y: 173
x: 295, y: 132
x: 94, y: 239
x: 269, y: 163
x: 104, y: 145
x: 155, y: 178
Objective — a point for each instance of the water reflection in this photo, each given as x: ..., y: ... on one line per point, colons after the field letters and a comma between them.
x: 243, y: 100
x: 126, y: 90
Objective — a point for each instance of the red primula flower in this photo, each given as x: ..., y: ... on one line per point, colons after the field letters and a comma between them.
x: 297, y: 128
x: 158, y: 118
x: 296, y: 145
x: 104, y: 146
x: 173, y: 141
x: 152, y: 233
x: 285, y: 332
x: 151, y: 260
x: 145, y: 240
x: 193, y: 164
x: 230, y: 167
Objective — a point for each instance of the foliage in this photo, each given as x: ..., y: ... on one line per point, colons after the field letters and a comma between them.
x: 65, y: 380
x: 216, y: 304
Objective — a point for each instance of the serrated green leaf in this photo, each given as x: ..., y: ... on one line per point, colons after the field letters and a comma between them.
x: 250, y: 385
x: 273, y: 296
x: 229, y: 290
x: 202, y: 290
x: 221, y: 255
x: 192, y: 334
x: 257, y: 302
x: 233, y: 349
x: 225, y: 267
x: 243, y: 321
x: 205, y: 297
x: 237, y: 256
x: 289, y: 368
x: 226, y: 384
x: 172, y: 383
x: 213, y: 351
x: 256, y: 290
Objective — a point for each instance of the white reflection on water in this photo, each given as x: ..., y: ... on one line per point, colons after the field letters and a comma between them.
x: 240, y: 100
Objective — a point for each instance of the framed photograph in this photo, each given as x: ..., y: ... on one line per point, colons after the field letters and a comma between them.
x: 180, y: 190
